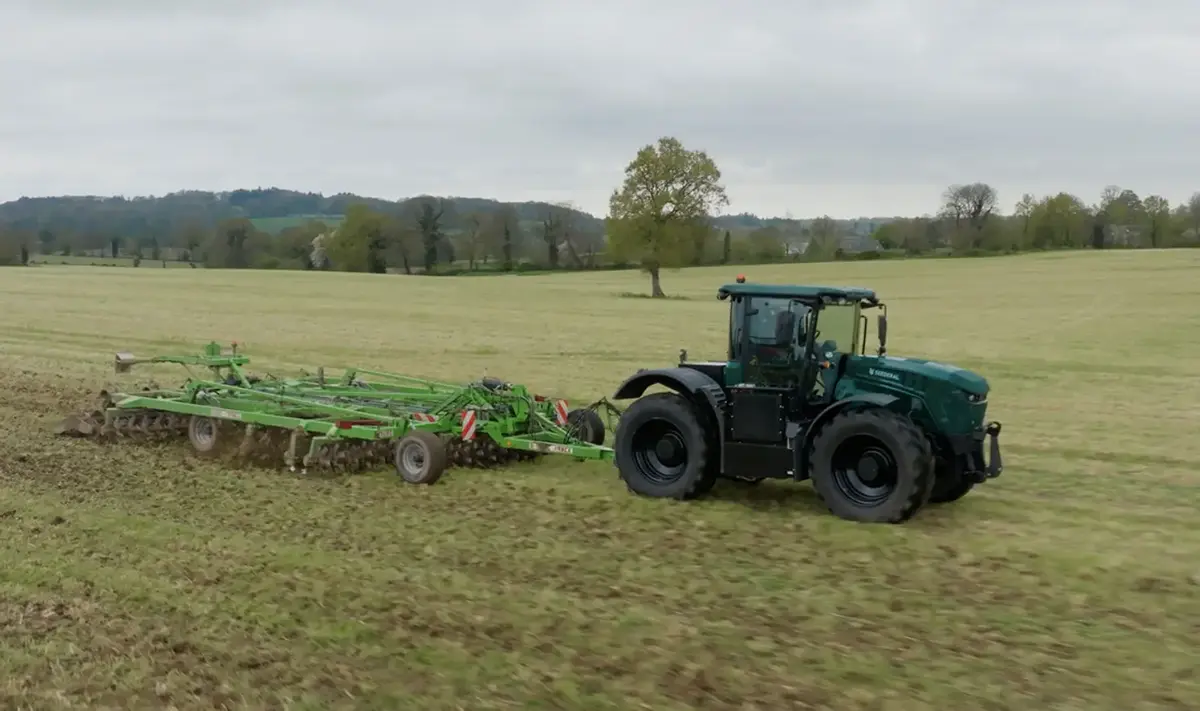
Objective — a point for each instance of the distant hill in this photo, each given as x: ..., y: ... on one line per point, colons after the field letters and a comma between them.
x: 89, y: 224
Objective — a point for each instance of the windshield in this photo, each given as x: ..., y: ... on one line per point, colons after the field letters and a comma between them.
x: 839, y: 323
x: 763, y: 325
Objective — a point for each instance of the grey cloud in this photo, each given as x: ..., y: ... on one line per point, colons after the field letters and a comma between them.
x: 856, y: 108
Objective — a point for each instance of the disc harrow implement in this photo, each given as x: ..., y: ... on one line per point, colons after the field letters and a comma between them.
x: 352, y: 420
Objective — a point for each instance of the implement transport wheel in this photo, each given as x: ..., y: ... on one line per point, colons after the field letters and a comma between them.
x: 205, y: 435
x: 661, y: 448
x: 420, y: 457
x: 873, y: 466
x: 950, y: 484
x: 588, y: 424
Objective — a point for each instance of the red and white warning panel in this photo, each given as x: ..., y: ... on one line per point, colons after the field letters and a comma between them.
x: 468, y: 425
x: 424, y: 417
x: 560, y: 411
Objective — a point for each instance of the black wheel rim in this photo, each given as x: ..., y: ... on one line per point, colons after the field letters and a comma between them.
x: 865, y: 471
x: 660, y: 451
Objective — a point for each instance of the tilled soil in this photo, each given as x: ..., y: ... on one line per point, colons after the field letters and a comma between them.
x: 139, y: 576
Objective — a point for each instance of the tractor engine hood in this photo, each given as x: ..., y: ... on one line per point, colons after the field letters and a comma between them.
x: 973, y: 383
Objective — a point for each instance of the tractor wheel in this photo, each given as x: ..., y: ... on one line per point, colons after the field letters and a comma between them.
x: 205, y: 435
x: 873, y: 466
x: 949, y: 483
x: 662, y: 449
x: 420, y: 457
x: 588, y: 424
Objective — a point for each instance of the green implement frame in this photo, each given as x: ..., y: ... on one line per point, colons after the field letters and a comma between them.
x: 356, y: 420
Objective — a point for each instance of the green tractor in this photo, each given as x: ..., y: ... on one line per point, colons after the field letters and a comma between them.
x: 799, y: 398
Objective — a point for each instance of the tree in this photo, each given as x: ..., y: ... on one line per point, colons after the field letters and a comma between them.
x: 297, y: 247
x: 553, y: 232
x: 1023, y: 211
x: 968, y: 207
x: 766, y: 244
x: 667, y: 193
x: 1060, y: 221
x: 46, y: 240
x: 502, y: 236
x: 471, y: 239
x: 1192, y: 210
x: 360, y: 243
x: 235, y: 244
x: 572, y: 236
x: 824, y: 236
x: 726, y: 246
x: 428, y: 216
x: 1158, y: 217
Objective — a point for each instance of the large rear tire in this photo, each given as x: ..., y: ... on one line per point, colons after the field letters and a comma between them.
x: 662, y: 448
x: 872, y: 466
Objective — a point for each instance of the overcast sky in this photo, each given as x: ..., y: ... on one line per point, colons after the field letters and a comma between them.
x: 842, y: 107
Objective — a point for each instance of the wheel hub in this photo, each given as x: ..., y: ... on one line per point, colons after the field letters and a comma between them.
x: 660, y: 451
x: 669, y: 450
x: 871, y: 467
x: 864, y: 470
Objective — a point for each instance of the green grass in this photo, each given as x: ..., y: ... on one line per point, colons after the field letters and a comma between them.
x: 136, y: 577
x: 275, y: 225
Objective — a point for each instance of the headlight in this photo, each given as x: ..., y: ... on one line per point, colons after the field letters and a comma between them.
x: 976, y: 399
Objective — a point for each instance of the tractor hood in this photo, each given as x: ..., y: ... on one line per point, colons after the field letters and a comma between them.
x: 973, y: 383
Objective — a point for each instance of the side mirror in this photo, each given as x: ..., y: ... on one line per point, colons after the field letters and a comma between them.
x: 882, y: 334
x: 785, y: 328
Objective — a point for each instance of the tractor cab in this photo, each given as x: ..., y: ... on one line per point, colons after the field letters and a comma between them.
x: 794, y: 337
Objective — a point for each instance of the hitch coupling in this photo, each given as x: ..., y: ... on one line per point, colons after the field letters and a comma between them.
x: 995, y: 464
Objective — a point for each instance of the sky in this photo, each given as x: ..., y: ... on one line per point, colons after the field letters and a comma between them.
x: 847, y: 108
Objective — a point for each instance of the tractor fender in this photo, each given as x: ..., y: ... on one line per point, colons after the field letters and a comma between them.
x: 855, y: 401
x: 685, y: 381
x: 693, y: 384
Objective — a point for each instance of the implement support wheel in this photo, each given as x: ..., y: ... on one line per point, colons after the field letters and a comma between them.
x: 205, y: 435
x: 588, y: 425
x: 420, y: 457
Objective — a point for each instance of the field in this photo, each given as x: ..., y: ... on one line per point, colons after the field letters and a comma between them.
x: 139, y: 578
x: 275, y: 225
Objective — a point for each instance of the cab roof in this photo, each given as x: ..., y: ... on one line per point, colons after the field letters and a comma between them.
x: 803, y: 293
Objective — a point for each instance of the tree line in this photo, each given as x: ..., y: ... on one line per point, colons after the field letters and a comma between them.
x: 662, y: 216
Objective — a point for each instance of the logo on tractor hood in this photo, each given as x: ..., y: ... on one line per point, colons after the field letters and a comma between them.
x: 959, y: 377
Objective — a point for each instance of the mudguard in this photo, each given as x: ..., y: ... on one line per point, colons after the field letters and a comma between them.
x: 681, y: 380
x: 684, y: 381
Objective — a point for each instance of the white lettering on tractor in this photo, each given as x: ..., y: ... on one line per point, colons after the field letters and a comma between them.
x: 885, y: 374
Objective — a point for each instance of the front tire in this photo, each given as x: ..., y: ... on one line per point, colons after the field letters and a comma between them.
x: 662, y: 448
x: 872, y: 466
x: 950, y: 484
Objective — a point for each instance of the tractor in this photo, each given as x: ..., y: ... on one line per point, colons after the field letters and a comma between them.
x: 798, y: 397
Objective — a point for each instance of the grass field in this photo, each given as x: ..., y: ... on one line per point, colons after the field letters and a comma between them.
x: 275, y: 225
x: 139, y: 578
